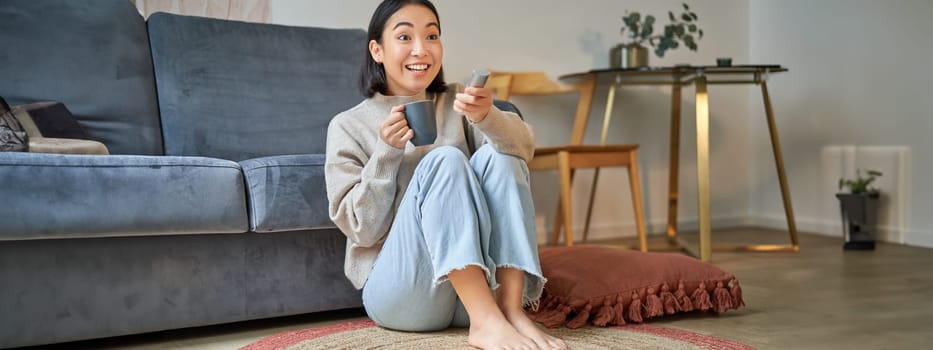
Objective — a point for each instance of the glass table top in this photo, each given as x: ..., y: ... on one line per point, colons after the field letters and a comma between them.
x: 679, y: 74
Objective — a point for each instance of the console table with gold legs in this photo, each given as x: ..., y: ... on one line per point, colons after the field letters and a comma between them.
x: 701, y: 77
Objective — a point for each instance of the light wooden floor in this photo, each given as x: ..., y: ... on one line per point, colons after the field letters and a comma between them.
x: 819, y: 298
x: 823, y: 297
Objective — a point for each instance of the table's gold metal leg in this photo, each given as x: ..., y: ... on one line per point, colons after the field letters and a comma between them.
x: 563, y: 160
x: 782, y: 177
x: 635, y: 185
x: 702, y: 121
x: 706, y: 248
x: 610, y: 101
x: 672, y: 192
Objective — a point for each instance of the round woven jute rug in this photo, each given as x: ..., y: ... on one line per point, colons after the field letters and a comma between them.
x: 366, y: 335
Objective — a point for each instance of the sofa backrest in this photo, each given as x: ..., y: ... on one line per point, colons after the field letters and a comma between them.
x: 237, y: 90
x: 93, y: 56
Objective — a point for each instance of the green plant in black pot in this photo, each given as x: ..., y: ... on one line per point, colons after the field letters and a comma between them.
x: 681, y: 29
x: 859, y: 210
x: 860, y: 184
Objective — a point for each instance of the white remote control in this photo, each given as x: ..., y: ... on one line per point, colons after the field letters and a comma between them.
x: 479, y: 78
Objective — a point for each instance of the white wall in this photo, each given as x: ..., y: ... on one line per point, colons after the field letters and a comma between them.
x: 859, y: 75
x: 562, y: 37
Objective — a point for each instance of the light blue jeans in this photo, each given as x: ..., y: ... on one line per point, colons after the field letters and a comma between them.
x: 455, y: 213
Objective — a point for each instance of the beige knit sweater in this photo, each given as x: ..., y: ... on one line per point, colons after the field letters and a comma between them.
x: 366, y: 178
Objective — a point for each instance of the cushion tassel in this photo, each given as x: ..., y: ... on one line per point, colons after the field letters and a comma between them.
x: 534, y: 305
x: 546, y: 306
x: 723, y: 298
x: 634, y: 309
x: 537, y: 316
x: 737, y: 301
x: 581, y: 318
x: 556, y: 313
x: 557, y: 318
x: 667, y: 299
x: 653, y: 306
x: 682, y: 299
x: 701, y: 298
x: 604, y: 315
x: 618, y: 317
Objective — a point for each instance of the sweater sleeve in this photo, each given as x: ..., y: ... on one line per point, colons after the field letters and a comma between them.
x: 507, y: 133
x: 361, y: 188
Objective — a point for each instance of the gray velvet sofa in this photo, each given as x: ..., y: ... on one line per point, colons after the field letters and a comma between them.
x: 211, y: 206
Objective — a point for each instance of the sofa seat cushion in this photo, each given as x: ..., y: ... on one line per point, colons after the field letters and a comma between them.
x: 71, y: 196
x: 286, y: 193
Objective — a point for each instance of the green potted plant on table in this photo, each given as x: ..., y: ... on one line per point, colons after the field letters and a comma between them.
x: 682, y: 29
x: 859, y: 210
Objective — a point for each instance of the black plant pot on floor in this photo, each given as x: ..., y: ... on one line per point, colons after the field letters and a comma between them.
x: 859, y: 213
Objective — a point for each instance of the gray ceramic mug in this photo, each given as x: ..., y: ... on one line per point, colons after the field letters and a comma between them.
x: 420, y: 117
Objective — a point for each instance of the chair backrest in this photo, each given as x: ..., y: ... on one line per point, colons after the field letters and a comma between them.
x: 508, y: 84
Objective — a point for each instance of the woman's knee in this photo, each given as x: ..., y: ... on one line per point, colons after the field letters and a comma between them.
x: 442, y: 160
x: 446, y: 154
x: 487, y: 159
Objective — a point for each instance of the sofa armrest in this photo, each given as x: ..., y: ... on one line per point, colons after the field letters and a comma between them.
x: 286, y: 193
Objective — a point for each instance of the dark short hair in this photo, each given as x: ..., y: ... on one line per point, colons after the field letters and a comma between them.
x: 373, y: 75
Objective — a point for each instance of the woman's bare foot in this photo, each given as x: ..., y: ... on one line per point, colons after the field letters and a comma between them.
x: 530, y: 329
x: 496, y: 333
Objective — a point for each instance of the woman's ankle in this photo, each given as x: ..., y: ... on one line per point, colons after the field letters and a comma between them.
x: 512, y: 312
x: 488, y: 319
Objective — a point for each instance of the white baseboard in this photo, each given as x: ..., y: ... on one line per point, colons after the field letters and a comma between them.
x: 602, y: 232
x: 833, y: 228
x: 809, y: 225
x: 919, y: 239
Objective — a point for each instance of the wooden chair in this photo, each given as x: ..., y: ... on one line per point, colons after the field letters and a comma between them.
x: 575, y: 155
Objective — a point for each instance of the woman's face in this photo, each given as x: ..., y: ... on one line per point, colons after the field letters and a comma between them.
x: 411, y: 50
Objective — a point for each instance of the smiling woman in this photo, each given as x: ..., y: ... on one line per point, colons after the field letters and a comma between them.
x: 442, y: 234
x: 410, y: 52
x: 396, y: 44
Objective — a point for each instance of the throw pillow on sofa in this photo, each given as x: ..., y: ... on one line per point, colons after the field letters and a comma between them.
x: 609, y: 286
x: 12, y: 136
x: 49, y: 127
x: 53, y: 120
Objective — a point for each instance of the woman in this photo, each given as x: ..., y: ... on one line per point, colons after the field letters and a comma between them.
x: 436, y: 238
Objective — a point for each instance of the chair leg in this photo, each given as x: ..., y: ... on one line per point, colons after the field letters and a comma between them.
x: 558, y: 222
x: 563, y: 161
x: 635, y: 183
x: 589, y: 207
x: 559, y: 214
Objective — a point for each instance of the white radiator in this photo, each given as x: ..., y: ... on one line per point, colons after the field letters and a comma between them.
x: 894, y: 206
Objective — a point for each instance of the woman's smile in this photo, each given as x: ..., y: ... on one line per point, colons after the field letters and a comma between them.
x: 410, y: 50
